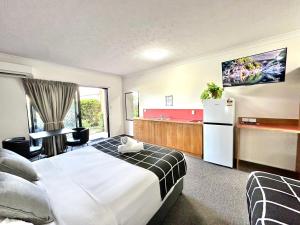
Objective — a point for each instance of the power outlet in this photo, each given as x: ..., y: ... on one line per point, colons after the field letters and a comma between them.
x: 245, y: 120
x: 193, y: 112
x: 249, y: 120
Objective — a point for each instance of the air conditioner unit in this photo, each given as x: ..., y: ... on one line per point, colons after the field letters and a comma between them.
x: 15, y: 70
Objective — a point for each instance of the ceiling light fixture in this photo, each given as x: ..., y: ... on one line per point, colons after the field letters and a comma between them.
x: 156, y: 54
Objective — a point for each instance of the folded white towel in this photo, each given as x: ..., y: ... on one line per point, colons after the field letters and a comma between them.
x: 128, y: 141
x: 131, y: 148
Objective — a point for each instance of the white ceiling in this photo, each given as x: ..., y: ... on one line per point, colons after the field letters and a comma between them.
x: 110, y: 35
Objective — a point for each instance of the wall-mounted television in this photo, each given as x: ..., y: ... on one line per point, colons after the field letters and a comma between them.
x: 267, y: 67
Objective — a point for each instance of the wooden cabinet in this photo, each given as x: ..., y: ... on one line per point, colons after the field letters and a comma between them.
x: 183, y: 136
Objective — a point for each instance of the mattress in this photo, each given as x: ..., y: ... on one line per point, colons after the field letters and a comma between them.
x: 89, y: 187
x: 273, y: 199
x: 167, y: 164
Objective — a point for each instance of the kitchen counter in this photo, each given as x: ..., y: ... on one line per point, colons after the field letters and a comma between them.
x: 183, y: 135
x: 167, y: 120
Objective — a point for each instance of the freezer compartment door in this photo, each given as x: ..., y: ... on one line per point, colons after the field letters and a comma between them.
x: 219, y: 111
x: 218, y: 144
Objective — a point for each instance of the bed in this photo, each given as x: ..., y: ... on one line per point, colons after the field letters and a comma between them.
x: 96, y: 185
x: 273, y: 199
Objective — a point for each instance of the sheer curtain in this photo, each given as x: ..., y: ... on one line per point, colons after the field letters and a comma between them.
x: 52, y: 100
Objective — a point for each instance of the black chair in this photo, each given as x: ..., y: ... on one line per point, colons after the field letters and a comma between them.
x: 80, y: 137
x: 22, y: 146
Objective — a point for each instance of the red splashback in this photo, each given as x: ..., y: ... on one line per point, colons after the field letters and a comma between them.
x: 179, y: 114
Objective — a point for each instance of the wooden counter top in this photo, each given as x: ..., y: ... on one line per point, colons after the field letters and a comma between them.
x: 272, y: 127
x: 171, y: 121
x: 272, y: 124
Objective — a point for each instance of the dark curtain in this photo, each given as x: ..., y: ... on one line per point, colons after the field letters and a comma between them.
x: 52, y: 100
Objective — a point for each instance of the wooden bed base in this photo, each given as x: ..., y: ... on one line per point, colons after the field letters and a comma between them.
x: 160, y: 215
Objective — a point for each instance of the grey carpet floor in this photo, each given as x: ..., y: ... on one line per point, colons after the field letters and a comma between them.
x: 212, y: 195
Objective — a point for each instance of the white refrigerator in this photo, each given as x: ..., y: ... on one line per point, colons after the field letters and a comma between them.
x: 218, y: 131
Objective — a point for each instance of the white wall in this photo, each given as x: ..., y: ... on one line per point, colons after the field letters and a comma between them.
x: 12, y: 98
x: 13, y: 114
x: 187, y: 79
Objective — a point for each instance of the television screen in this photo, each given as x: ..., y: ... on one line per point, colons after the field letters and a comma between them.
x: 268, y: 67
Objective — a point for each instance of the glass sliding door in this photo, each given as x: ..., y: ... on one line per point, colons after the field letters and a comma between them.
x: 94, y: 111
x: 71, y: 120
x: 89, y: 109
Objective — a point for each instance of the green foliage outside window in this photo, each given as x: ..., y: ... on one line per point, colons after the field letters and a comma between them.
x: 91, y: 114
x: 136, y: 111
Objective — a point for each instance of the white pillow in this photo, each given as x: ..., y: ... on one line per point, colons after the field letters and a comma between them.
x: 23, y: 200
x: 13, y: 163
x: 14, y: 222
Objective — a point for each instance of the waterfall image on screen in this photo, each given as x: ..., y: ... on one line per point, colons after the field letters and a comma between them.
x: 268, y: 67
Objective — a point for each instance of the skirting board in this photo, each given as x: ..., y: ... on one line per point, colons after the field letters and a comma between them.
x: 250, y: 167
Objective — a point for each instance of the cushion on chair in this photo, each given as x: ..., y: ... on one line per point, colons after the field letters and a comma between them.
x: 23, y: 200
x: 18, y: 145
x: 13, y: 163
x: 76, y: 135
x: 84, y: 136
x: 273, y: 199
x: 18, y: 139
x: 22, y: 146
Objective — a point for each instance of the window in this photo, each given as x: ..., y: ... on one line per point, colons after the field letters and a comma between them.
x: 132, y: 105
x: 36, y: 124
x: 89, y: 109
x: 94, y: 111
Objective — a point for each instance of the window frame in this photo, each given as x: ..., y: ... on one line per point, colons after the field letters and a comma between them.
x: 138, y: 104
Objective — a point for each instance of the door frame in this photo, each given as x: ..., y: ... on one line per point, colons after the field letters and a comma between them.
x: 107, y: 111
x: 106, y: 106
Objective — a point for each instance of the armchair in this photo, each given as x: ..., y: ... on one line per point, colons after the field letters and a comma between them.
x: 80, y: 137
x: 22, y: 146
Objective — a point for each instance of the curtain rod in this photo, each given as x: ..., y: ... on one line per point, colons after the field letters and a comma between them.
x: 30, y: 76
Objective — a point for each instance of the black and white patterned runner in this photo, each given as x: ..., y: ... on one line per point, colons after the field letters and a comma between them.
x: 167, y: 164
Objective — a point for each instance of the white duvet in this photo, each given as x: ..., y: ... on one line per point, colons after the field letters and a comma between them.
x: 89, y: 187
